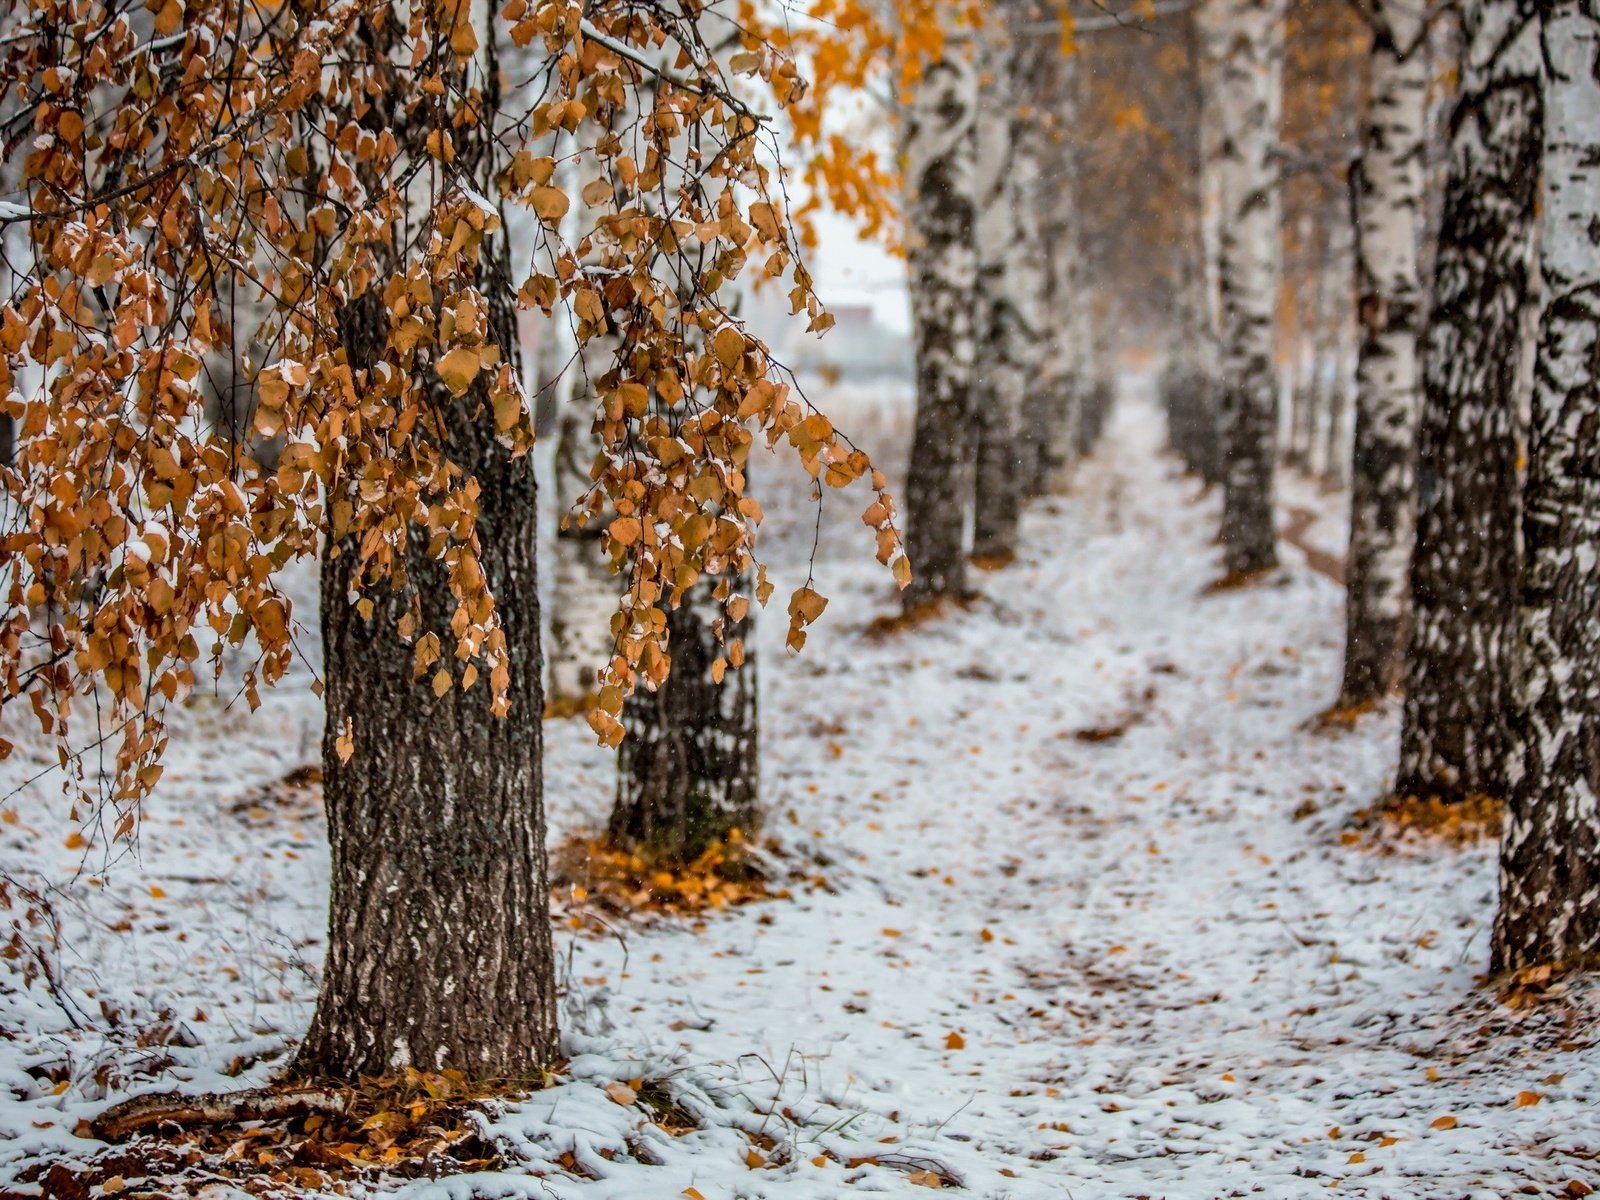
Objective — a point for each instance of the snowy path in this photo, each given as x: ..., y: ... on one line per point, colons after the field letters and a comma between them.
x: 1164, y: 983
x: 1075, y: 940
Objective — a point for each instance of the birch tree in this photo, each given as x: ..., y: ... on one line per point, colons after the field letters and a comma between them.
x: 941, y: 216
x: 688, y: 769
x: 1247, y: 42
x: 1193, y: 379
x: 1464, y: 569
x: 1009, y: 283
x: 1056, y: 115
x: 1386, y: 191
x: 1550, y: 854
x: 582, y: 586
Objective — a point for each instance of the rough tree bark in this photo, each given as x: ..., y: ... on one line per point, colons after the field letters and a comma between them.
x: 941, y: 175
x: 1464, y: 569
x: 1387, y: 198
x: 1550, y: 855
x: 1009, y: 286
x: 688, y: 770
x: 439, y: 951
x: 439, y: 935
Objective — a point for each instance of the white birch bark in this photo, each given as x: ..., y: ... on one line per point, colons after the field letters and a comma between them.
x: 1465, y: 566
x: 1550, y: 856
x: 941, y: 206
x: 1008, y: 292
x: 1248, y: 40
x: 1387, y: 198
x: 583, y: 588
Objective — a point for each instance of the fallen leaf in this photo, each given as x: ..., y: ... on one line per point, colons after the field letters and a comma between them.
x: 925, y: 1179
x: 954, y: 1041
x: 621, y: 1093
x: 1445, y: 1122
x: 1527, y: 1099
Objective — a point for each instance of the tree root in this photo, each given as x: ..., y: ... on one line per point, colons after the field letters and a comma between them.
x: 139, y: 1113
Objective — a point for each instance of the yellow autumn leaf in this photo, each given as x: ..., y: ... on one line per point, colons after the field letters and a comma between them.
x: 458, y: 369
x: 728, y: 343
x: 549, y: 203
x: 806, y: 605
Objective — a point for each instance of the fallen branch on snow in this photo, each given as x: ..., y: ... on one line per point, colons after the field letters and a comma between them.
x: 138, y: 1113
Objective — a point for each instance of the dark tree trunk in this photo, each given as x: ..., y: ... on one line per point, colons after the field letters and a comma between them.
x: 940, y: 144
x: 688, y: 770
x: 1550, y: 856
x: 1464, y: 570
x: 439, y: 948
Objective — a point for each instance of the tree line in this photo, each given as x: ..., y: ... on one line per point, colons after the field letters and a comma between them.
x: 265, y: 271
x: 1471, y: 570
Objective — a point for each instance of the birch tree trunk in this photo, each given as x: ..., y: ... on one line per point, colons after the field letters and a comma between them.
x: 1464, y: 570
x: 1303, y: 317
x: 1064, y: 316
x: 1550, y: 855
x: 1387, y: 197
x: 1336, y: 448
x: 1248, y: 98
x: 583, y: 588
x: 688, y: 769
x: 941, y: 176
x: 1009, y: 285
x: 1194, y: 377
x: 439, y: 952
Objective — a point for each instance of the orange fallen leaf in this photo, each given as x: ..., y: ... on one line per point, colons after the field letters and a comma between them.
x: 954, y: 1041
x: 925, y: 1179
x: 75, y: 841
x: 1445, y: 1122
x: 158, y: 893
x: 693, y: 1193
x: 1526, y: 1099
x: 621, y: 1093
x: 753, y: 1159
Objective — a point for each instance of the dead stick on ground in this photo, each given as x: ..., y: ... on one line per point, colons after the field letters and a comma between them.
x: 134, y: 1115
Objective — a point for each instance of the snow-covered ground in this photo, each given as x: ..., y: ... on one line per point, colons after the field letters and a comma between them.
x: 1089, y: 927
